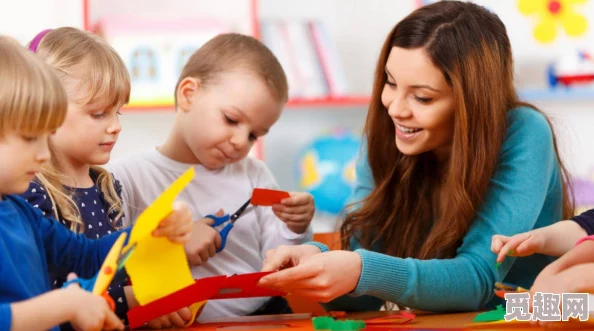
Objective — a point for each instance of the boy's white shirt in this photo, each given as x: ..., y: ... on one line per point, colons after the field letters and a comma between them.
x: 145, y: 176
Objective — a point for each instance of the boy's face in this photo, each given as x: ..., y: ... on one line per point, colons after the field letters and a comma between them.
x: 223, y: 119
x: 21, y: 157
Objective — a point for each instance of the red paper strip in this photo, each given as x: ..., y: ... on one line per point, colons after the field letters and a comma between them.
x: 211, y: 288
x: 265, y: 197
x: 399, y: 318
x: 245, y: 286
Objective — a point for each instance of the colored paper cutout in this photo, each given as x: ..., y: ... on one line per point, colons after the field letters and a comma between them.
x: 329, y: 323
x: 265, y: 197
x: 259, y: 322
x: 168, y: 270
x: 491, y: 316
x: 251, y: 319
x: 211, y: 288
x: 402, y: 317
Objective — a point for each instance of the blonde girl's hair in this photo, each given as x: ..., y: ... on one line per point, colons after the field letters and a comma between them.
x: 108, y: 81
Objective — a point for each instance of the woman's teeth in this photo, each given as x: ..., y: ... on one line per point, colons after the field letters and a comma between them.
x: 408, y: 130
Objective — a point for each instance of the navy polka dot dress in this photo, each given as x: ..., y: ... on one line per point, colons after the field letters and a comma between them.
x: 98, y: 222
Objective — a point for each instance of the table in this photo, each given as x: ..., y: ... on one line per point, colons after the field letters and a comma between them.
x: 423, y: 320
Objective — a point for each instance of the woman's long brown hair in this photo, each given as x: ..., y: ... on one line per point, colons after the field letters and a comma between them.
x: 470, y: 46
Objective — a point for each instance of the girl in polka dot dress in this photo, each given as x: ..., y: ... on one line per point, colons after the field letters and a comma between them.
x: 72, y: 187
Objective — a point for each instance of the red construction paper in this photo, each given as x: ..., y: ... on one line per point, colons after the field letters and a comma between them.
x: 245, y: 286
x: 399, y: 318
x: 211, y: 288
x: 265, y: 197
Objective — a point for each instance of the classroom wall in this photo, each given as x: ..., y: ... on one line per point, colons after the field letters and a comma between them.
x: 23, y: 19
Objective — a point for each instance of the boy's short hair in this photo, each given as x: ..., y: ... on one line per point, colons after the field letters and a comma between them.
x: 231, y: 50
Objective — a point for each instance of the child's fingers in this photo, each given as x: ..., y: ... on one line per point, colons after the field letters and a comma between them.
x: 528, y: 246
x: 212, y: 250
x: 501, y: 255
x: 204, y: 255
x: 286, y: 217
x: 295, y: 224
x: 497, y: 243
x: 185, y: 313
x: 71, y: 276
x: 510, y: 247
x: 181, y: 239
x: 173, y: 232
x: 165, y: 322
x: 175, y: 223
x: 303, y: 209
x: 155, y: 323
x: 180, y: 217
x: 112, y: 322
x: 195, y: 260
x: 218, y: 241
x: 176, y: 320
x: 297, y: 199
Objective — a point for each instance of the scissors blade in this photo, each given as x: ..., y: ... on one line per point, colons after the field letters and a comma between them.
x: 239, y: 211
x: 125, y: 255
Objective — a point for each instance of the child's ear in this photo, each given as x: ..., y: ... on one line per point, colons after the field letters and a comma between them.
x: 186, y: 91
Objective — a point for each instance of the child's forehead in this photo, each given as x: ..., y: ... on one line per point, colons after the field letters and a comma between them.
x: 85, y: 92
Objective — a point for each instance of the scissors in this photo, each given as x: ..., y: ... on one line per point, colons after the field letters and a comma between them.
x: 229, y: 220
x: 111, y: 266
x: 502, y: 288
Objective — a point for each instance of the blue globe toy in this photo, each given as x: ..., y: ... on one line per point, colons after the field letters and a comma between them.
x: 326, y: 169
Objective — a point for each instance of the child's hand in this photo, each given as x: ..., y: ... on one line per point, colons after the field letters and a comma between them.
x: 177, y: 227
x: 204, y: 241
x: 522, y: 244
x: 177, y: 319
x: 89, y: 311
x: 296, y: 211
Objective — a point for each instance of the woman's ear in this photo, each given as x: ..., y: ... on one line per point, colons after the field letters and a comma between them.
x: 186, y: 91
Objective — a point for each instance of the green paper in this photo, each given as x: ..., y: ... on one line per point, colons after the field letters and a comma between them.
x: 491, y: 316
x: 328, y: 323
x: 322, y: 322
x: 511, y: 252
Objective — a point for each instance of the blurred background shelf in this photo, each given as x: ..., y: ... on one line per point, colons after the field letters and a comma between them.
x: 558, y: 94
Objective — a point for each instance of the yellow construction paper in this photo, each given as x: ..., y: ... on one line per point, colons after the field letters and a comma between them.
x: 158, y: 267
